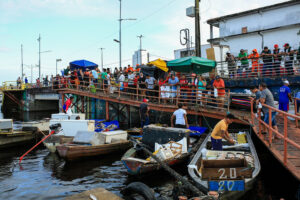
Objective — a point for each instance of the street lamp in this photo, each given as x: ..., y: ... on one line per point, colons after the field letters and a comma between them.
x: 39, y: 40
x: 120, y: 33
x: 57, y: 60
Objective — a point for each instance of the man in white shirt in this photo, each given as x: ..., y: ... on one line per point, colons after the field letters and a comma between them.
x: 181, y: 119
x: 121, y: 80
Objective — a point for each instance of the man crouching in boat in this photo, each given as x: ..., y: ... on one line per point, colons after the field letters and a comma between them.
x: 221, y: 132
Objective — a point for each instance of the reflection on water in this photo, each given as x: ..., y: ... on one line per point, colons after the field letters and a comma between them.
x: 46, y: 176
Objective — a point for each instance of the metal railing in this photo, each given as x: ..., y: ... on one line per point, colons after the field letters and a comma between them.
x: 297, y: 111
x: 271, y: 130
x: 187, y: 95
x: 258, y: 68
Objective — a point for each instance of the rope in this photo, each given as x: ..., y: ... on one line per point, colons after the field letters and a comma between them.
x: 177, y: 176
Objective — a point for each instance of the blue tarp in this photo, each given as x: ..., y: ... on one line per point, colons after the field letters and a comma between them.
x: 198, y: 130
x: 101, y: 125
x: 83, y: 64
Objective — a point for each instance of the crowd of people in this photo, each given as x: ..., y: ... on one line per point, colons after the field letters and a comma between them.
x: 172, y: 87
x: 267, y: 63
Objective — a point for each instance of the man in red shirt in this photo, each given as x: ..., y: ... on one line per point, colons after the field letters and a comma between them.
x: 220, y: 86
x: 184, y: 88
x: 67, y: 106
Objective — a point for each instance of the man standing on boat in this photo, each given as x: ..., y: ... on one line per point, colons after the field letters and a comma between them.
x: 144, y: 113
x: 221, y: 132
x: 67, y: 106
x: 181, y: 119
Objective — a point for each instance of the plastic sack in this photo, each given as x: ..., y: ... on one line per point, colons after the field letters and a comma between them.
x: 215, y: 92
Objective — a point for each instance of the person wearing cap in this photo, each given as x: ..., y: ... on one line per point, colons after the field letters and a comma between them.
x: 144, y: 113
x: 254, y: 56
x: 266, y: 55
x: 220, y: 132
x: 243, y: 57
x: 131, y: 88
x: 288, y: 52
x: 231, y: 64
x: 277, y: 60
x: 285, y: 96
x: 220, y: 86
x: 67, y: 106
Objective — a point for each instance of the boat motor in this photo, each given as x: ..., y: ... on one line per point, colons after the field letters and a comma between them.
x: 55, y: 127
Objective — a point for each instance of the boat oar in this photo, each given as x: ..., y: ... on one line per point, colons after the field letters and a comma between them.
x: 168, y: 169
x: 21, y: 158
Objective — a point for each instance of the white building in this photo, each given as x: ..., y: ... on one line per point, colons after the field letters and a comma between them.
x: 136, y: 58
x: 254, y: 29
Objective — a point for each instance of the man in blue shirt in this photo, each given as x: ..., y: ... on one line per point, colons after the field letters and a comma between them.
x: 284, y: 96
x: 173, y: 82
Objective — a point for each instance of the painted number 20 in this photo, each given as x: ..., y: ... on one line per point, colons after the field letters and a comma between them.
x: 232, y: 173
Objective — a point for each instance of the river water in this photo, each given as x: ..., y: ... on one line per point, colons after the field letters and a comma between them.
x: 43, y: 175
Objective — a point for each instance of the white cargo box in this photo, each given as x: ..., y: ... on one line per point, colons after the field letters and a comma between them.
x: 71, y: 127
x: 63, y: 116
x: 84, y: 137
x: 107, y: 137
x: 6, y: 124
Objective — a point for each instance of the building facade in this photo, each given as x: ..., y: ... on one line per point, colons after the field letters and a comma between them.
x: 254, y: 29
x: 140, y: 57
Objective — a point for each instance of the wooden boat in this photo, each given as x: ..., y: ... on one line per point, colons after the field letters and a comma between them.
x: 55, y: 140
x: 136, y: 166
x: 226, y: 192
x: 74, y: 151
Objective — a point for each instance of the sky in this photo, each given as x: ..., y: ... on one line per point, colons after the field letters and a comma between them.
x: 76, y: 29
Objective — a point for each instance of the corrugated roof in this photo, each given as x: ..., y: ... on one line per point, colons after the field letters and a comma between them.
x: 215, y: 21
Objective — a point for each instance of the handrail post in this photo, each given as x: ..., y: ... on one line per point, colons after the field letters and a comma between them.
x: 159, y: 91
x: 137, y: 91
x: 120, y: 90
x: 270, y: 126
x: 228, y: 100
x: 296, y: 113
x: 252, y: 112
x: 285, y: 141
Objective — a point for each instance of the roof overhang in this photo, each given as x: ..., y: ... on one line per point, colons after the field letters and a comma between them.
x: 215, y: 21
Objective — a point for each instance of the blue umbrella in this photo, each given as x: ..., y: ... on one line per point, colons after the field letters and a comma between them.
x: 83, y: 64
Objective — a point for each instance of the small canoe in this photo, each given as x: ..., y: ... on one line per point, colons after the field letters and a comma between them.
x: 226, y: 186
x: 75, y: 152
x: 137, y: 166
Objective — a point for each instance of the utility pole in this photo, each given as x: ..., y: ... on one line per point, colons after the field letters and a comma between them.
x: 120, y: 36
x: 22, y: 64
x: 57, y: 60
x: 140, y: 36
x: 39, y: 40
x: 31, y: 74
x: 101, y: 58
x: 197, y: 28
x: 120, y: 33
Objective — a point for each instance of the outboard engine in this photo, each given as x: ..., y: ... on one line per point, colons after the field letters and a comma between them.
x: 55, y: 127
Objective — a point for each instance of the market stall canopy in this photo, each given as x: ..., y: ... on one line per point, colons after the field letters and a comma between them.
x: 192, y: 64
x: 152, y: 71
x: 83, y: 64
x: 159, y: 63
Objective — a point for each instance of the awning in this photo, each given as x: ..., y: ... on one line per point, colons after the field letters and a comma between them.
x: 159, y: 63
x: 192, y: 64
x: 83, y: 64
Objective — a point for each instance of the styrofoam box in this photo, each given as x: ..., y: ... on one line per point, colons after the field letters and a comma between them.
x: 6, y: 124
x: 108, y: 136
x: 71, y: 127
x: 84, y: 137
x: 63, y: 116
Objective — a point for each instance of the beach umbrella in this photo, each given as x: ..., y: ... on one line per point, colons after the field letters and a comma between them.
x: 192, y: 64
x: 83, y: 64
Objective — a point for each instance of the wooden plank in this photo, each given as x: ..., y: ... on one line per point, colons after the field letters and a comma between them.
x: 99, y: 193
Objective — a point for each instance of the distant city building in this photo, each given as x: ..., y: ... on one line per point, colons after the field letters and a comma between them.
x: 254, y: 29
x: 136, y: 58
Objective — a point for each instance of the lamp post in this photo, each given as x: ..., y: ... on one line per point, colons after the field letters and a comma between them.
x: 120, y: 33
x: 197, y: 28
x: 22, y: 64
x: 57, y: 60
x: 39, y: 40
